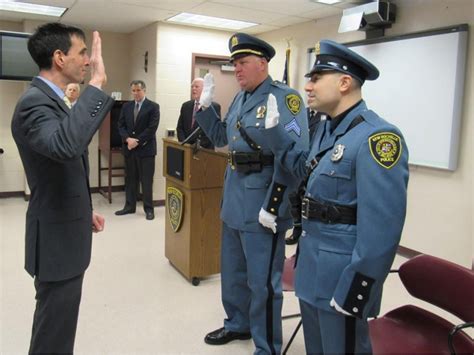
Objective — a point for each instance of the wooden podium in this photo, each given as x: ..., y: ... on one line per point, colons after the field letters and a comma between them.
x: 194, y: 181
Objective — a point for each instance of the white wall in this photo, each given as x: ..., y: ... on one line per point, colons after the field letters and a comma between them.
x: 440, y: 203
x: 116, y: 54
x: 172, y: 61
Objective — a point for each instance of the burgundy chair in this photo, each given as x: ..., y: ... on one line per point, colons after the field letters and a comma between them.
x: 287, y: 280
x: 413, y: 330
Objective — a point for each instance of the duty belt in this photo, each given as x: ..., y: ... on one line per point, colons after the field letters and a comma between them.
x: 249, y: 162
x: 328, y: 212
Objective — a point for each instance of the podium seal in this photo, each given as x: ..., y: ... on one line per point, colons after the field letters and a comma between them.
x: 175, y: 202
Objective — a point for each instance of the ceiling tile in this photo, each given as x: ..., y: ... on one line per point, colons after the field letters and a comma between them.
x: 283, y: 7
x: 175, y: 5
x: 113, y: 18
x: 235, y: 12
x: 324, y: 11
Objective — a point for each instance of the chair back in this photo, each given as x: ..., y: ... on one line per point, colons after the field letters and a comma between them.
x: 288, y: 277
x: 442, y: 283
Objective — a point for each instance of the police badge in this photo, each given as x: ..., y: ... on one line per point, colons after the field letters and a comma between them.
x: 261, y: 111
x: 338, y: 152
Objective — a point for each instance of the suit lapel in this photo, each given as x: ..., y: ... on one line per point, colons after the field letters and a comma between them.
x: 40, y: 84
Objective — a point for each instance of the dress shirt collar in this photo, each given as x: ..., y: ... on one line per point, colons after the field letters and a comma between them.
x: 140, y: 103
x: 53, y: 87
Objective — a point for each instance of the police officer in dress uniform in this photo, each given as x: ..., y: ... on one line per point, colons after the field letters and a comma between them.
x: 255, y: 208
x: 354, y: 206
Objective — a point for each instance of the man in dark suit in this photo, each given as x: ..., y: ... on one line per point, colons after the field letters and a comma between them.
x: 186, y: 121
x: 52, y: 140
x: 137, y: 126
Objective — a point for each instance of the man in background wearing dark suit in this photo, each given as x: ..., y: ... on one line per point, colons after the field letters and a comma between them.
x: 137, y: 126
x: 186, y: 121
x: 52, y: 140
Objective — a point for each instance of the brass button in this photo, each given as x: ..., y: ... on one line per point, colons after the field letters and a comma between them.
x: 272, y: 209
x: 275, y: 199
x: 279, y: 189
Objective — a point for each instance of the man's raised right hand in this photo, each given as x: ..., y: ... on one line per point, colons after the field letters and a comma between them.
x: 98, y: 75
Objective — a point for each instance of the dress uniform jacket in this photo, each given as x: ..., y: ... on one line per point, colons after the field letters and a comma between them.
x: 52, y: 141
x: 365, y: 167
x: 143, y: 129
x: 245, y: 194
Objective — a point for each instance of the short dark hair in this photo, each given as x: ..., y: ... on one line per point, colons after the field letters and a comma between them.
x: 138, y: 82
x: 48, y: 38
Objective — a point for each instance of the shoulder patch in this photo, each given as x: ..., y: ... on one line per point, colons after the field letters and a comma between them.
x: 385, y: 148
x: 293, y: 102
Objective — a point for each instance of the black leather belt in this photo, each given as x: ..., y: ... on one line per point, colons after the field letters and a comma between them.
x: 249, y: 162
x: 327, y: 212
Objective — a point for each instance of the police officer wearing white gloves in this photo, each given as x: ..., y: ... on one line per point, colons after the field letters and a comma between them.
x: 354, y: 205
x: 255, y: 206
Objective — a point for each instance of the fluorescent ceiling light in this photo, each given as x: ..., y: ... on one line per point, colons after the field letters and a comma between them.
x: 15, y: 6
x: 329, y: 2
x: 210, y: 21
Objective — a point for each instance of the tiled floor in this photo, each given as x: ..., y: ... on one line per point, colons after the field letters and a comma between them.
x: 134, y: 301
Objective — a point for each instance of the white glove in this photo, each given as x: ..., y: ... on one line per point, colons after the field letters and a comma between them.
x: 207, y: 94
x: 268, y: 220
x: 272, y: 112
x: 338, y: 308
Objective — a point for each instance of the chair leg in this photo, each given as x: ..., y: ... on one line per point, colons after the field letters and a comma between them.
x: 289, y: 316
x: 292, y: 337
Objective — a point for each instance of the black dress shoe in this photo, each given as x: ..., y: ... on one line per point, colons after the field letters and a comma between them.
x: 150, y: 216
x: 222, y: 336
x: 124, y: 211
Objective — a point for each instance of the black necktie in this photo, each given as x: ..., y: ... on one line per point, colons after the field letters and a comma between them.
x: 246, y: 96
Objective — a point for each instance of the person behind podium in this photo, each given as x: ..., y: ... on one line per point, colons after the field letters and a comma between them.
x: 72, y: 93
x: 52, y: 141
x: 255, y: 208
x: 354, y: 205
x: 137, y: 125
x: 187, y: 123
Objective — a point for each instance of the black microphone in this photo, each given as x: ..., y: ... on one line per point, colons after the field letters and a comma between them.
x: 193, y: 135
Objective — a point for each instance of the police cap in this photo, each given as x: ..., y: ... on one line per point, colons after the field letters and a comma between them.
x: 242, y: 44
x: 334, y: 56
